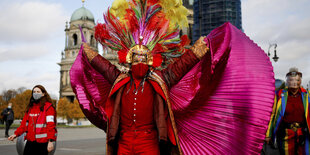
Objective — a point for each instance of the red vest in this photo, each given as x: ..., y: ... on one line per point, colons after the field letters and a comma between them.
x: 137, y: 108
x: 40, y: 128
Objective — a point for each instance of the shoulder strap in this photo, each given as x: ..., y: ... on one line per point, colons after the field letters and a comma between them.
x: 47, y: 106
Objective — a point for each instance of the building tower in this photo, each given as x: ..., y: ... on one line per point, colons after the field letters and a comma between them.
x: 85, y: 19
x: 209, y: 14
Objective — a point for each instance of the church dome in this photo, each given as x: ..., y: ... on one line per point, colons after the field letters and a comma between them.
x: 82, y: 14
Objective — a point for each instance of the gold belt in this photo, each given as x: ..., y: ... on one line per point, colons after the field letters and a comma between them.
x: 294, y: 126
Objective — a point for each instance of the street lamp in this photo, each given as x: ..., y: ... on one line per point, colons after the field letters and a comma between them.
x: 275, y: 57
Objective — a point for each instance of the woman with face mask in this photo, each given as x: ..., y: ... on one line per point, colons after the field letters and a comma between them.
x: 289, y: 123
x: 39, y: 123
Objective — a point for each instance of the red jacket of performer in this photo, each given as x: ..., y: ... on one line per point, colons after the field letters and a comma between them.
x: 138, y: 109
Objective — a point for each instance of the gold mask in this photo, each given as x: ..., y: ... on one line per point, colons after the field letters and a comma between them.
x: 139, y: 54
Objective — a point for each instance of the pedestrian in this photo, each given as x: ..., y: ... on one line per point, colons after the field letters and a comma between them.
x: 288, y: 127
x: 8, y: 117
x: 39, y: 123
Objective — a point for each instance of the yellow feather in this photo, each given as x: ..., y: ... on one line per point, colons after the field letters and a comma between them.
x: 176, y: 13
x: 118, y: 8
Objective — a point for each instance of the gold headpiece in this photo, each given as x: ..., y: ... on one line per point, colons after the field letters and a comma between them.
x: 140, y: 52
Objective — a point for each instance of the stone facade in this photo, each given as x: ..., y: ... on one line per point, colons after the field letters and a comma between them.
x: 72, y: 45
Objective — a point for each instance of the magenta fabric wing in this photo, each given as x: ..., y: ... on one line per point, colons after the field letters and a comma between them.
x: 223, y: 105
x: 91, y: 90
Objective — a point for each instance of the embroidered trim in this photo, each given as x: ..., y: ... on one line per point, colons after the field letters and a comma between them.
x: 89, y: 52
x: 155, y: 77
x: 118, y: 79
x: 200, y: 48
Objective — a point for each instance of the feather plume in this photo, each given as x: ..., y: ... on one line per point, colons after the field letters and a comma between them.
x: 119, y: 7
x: 122, y: 56
x: 152, y: 2
x: 176, y: 12
x: 101, y: 32
x: 158, y: 49
x: 131, y: 20
x: 185, y: 40
x: 158, y: 21
x: 157, y: 60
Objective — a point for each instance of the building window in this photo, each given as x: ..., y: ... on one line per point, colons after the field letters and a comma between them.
x: 74, y: 39
x: 70, y: 98
x: 92, y: 42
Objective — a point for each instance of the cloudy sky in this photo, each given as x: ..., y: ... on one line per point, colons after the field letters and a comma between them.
x: 32, y: 37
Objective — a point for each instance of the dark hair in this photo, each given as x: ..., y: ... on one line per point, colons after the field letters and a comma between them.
x: 43, y: 99
x: 141, y: 85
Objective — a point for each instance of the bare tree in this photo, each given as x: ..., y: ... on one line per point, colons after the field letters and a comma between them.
x: 21, y: 90
x: 7, y: 95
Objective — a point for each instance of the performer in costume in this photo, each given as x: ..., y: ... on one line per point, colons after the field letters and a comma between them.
x: 196, y: 100
x: 138, y: 107
x: 289, y: 124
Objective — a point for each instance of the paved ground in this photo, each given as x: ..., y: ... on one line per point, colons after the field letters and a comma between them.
x: 77, y: 141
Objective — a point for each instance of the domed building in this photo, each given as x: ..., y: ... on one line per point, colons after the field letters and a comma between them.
x: 86, y: 20
x: 82, y: 14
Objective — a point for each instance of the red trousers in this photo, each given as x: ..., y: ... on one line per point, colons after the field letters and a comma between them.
x: 290, y: 143
x: 139, y: 142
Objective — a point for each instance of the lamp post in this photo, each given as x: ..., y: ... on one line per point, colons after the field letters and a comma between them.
x: 275, y: 57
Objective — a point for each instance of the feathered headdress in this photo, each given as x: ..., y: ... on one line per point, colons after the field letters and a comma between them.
x: 153, y: 24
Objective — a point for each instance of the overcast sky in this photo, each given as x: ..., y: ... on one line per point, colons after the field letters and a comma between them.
x: 32, y: 37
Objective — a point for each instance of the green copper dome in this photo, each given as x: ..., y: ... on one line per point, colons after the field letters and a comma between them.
x: 82, y: 14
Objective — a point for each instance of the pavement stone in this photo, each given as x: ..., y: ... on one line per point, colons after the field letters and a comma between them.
x: 77, y: 141
x: 64, y: 134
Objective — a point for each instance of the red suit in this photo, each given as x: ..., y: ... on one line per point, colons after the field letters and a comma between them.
x: 139, y: 117
x: 138, y: 133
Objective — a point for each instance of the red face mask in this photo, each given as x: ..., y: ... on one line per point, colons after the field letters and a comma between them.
x: 139, y: 70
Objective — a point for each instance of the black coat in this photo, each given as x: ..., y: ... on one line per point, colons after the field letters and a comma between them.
x: 8, y: 114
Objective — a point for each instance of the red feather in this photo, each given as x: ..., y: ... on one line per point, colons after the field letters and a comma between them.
x: 116, y: 28
x: 158, y: 49
x: 134, y: 2
x: 131, y: 20
x: 122, y: 55
x: 157, y: 21
x: 172, y: 35
x: 173, y: 46
x: 185, y: 40
x: 152, y: 2
x: 101, y: 32
x: 157, y: 60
